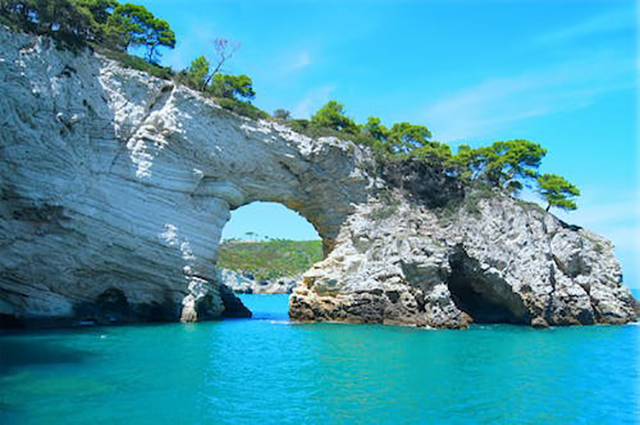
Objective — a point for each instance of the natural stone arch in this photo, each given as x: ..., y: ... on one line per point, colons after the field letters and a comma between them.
x: 222, y: 162
x: 115, y: 187
x: 238, y: 162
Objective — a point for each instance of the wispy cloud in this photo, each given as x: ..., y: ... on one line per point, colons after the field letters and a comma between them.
x: 573, y: 82
x: 496, y: 103
x: 616, y: 20
x: 302, y: 61
x: 313, y: 100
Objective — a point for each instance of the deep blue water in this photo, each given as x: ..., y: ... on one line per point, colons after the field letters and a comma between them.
x: 267, y: 371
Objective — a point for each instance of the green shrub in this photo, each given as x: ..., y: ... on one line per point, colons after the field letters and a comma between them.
x: 135, y: 62
x: 242, y: 108
x: 270, y: 259
x: 475, y: 191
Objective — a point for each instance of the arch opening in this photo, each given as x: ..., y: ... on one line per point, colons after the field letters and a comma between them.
x: 264, y: 249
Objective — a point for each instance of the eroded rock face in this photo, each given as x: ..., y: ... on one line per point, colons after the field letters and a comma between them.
x: 115, y: 182
x: 497, y: 261
x: 115, y: 186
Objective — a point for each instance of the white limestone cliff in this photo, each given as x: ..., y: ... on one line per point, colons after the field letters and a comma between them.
x: 115, y: 181
x: 115, y: 187
x: 503, y: 262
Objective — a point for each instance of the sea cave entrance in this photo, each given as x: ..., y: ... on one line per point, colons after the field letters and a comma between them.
x: 264, y: 249
x: 485, y: 297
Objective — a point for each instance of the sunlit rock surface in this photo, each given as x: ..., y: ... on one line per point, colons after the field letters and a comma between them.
x: 503, y: 262
x: 115, y: 187
x: 113, y: 182
x: 246, y: 283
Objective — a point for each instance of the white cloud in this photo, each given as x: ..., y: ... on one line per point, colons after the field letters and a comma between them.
x: 302, y: 61
x: 496, y: 103
x: 313, y: 100
x: 616, y: 20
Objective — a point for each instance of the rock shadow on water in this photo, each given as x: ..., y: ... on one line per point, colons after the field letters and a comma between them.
x: 17, y: 354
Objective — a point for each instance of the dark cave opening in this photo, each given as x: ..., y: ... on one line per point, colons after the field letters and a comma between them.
x: 485, y: 297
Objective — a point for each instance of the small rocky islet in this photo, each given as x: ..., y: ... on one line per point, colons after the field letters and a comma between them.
x: 116, y: 185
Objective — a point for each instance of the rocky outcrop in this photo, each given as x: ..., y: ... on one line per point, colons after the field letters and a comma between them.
x: 495, y: 260
x: 246, y: 283
x: 115, y: 186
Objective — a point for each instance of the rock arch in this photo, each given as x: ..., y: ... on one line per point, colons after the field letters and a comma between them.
x: 235, y: 162
x: 117, y: 183
x: 115, y: 186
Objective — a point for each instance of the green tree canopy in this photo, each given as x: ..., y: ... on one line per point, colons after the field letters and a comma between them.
x: 503, y: 164
x: 133, y: 25
x: 232, y: 87
x: 197, y: 73
x: 100, y: 9
x: 17, y: 13
x: 158, y: 33
x: 98, y: 13
x: 434, y: 149
x: 333, y: 116
x: 557, y: 192
x: 375, y: 129
x: 126, y: 24
x: 405, y: 137
x: 65, y: 20
x: 65, y: 17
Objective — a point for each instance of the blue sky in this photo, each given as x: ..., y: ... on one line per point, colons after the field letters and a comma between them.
x: 561, y: 73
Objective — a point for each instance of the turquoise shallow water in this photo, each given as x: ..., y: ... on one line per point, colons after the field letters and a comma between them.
x: 265, y: 370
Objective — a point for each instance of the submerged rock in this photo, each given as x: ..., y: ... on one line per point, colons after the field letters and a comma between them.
x: 115, y: 187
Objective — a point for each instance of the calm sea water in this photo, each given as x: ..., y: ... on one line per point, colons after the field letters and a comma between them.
x: 267, y: 371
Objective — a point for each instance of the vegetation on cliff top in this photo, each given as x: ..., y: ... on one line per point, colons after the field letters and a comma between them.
x: 508, y: 165
x: 114, y: 29
x: 269, y: 259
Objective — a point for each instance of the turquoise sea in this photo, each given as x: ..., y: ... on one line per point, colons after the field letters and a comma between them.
x: 269, y: 371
